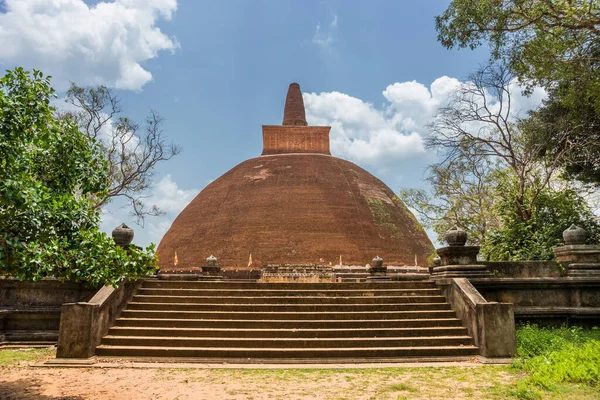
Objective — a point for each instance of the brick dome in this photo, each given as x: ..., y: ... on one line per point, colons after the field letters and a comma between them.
x: 294, y: 204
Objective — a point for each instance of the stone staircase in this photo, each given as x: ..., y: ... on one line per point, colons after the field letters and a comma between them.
x: 288, y: 322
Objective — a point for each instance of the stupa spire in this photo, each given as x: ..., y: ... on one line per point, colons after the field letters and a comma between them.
x: 294, y: 114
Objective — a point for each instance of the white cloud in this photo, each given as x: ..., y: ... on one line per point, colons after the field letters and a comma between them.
x: 362, y: 133
x: 324, y: 38
x: 389, y: 139
x: 169, y: 197
x: 101, y: 44
x: 412, y: 105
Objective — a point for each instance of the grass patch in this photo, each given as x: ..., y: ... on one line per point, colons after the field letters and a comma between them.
x: 14, y: 356
x: 556, y: 359
x: 400, y: 387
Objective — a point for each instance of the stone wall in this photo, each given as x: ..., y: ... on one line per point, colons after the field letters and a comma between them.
x: 30, y: 311
x: 83, y: 324
x: 491, y: 324
x: 552, y: 300
x: 524, y: 269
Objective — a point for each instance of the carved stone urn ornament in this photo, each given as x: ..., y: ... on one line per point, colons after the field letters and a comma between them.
x: 211, y: 261
x: 455, y: 237
x: 378, y: 271
x: 122, y: 235
x: 581, y: 259
x: 575, y: 235
x: 377, y: 262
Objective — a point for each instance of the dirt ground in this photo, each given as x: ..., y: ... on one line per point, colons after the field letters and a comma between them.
x: 121, y: 380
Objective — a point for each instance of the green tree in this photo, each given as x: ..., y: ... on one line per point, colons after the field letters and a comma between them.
x: 496, y: 180
x: 543, y: 41
x: 551, y: 212
x: 569, y: 122
x: 462, y: 194
x: 50, y: 176
x: 480, y: 115
x: 549, y: 43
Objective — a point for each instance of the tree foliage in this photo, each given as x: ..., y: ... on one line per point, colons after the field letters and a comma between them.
x: 543, y: 40
x: 568, y: 122
x: 462, y: 195
x: 496, y: 180
x: 50, y: 176
x: 480, y: 115
x: 551, y: 212
x: 130, y: 149
x: 551, y: 43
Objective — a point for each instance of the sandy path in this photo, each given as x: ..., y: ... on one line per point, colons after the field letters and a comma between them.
x: 25, y: 381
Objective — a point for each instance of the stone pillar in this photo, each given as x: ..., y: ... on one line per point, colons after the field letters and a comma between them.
x: 580, y: 259
x: 211, y: 270
x: 378, y: 272
x: 458, y: 260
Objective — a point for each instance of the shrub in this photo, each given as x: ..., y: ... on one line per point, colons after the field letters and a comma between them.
x: 49, y: 174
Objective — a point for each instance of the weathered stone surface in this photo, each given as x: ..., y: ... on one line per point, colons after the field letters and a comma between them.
x: 575, y: 235
x: 378, y: 272
x: 122, y: 235
x: 475, y: 270
x: 552, y: 299
x: 294, y: 209
x: 211, y: 269
x: 579, y: 259
x: 455, y: 237
x: 83, y: 324
x: 496, y: 329
x: 30, y: 311
x: 458, y: 260
x: 492, y: 325
x: 524, y: 269
x: 458, y: 255
x: 303, y: 273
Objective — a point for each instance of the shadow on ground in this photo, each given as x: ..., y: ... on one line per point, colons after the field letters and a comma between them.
x: 28, y: 390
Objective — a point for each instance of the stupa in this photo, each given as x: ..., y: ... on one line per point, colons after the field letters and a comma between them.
x: 295, y: 204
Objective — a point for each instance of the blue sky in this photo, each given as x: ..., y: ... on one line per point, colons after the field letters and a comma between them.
x: 218, y: 70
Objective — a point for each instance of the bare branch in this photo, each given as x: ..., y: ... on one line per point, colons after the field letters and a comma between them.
x: 132, y: 151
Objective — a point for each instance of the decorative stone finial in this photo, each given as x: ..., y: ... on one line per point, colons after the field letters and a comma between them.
x: 377, y: 272
x: 455, y: 237
x: 377, y: 262
x: 122, y: 235
x: 211, y: 261
x: 575, y: 235
x: 294, y: 113
x: 437, y: 261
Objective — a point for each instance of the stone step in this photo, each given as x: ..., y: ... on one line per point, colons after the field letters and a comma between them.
x: 172, y: 284
x: 288, y: 324
x: 278, y: 343
x: 287, y: 333
x: 283, y: 353
x: 433, y: 296
x: 257, y: 308
x: 244, y: 321
x: 226, y: 292
x: 273, y: 315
